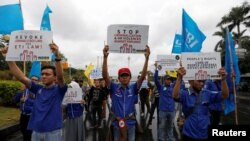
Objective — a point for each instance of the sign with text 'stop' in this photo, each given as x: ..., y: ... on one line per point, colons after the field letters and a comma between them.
x: 127, y: 38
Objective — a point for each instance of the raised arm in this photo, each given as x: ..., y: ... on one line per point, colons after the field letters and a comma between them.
x: 59, y: 69
x: 176, y: 91
x: 224, y: 87
x: 105, y: 73
x: 145, y: 67
x: 156, y: 80
x: 19, y: 75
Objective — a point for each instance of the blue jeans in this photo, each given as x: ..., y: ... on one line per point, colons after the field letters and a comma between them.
x: 166, y: 125
x: 55, y: 135
x: 131, y: 133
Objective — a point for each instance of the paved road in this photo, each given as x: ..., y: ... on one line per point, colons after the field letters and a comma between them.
x: 150, y: 134
x: 99, y: 134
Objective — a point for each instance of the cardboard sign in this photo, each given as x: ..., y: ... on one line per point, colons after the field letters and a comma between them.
x: 127, y: 38
x: 29, y: 45
x: 201, y: 66
x: 73, y: 95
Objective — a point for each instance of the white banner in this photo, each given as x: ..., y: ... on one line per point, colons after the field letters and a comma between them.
x: 144, y: 84
x: 96, y: 74
x: 201, y: 66
x: 127, y: 38
x: 167, y: 62
x: 73, y: 95
x: 29, y: 45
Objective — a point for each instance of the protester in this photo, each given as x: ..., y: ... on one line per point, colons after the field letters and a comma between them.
x: 144, y: 98
x: 26, y: 101
x: 46, y: 117
x: 123, y: 99
x: 154, y: 103
x: 74, y: 127
x: 105, y: 93
x: 215, y: 109
x: 195, y: 102
x: 166, y: 107
x: 95, y: 103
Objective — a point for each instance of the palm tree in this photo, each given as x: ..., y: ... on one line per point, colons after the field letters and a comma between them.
x: 236, y: 17
x: 221, y: 44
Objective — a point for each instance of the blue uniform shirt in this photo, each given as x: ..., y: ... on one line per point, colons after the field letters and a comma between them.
x: 215, y: 86
x: 27, y: 106
x: 74, y: 110
x: 166, y: 101
x: 123, y: 101
x: 47, y: 113
x: 196, y: 124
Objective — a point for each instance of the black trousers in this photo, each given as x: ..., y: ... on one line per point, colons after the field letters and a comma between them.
x: 24, y: 120
x: 154, y: 106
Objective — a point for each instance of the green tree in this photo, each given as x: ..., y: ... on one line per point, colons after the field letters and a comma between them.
x: 237, y: 16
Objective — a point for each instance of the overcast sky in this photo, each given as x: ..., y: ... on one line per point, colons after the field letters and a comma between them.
x: 80, y: 26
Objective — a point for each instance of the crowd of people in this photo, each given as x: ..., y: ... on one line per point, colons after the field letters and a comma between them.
x: 42, y: 110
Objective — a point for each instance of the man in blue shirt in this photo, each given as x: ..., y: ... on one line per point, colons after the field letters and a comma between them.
x: 123, y: 98
x: 166, y: 107
x: 26, y: 101
x: 74, y: 127
x: 46, y: 118
x: 195, y: 101
x: 215, y: 108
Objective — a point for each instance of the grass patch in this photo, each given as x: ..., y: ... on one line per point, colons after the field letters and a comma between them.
x: 8, y: 116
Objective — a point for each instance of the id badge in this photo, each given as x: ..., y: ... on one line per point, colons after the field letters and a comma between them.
x: 121, y: 123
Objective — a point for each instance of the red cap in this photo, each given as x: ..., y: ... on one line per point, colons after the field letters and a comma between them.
x: 124, y: 70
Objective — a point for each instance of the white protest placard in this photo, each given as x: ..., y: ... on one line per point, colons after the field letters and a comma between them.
x: 29, y: 45
x: 201, y: 66
x: 127, y: 38
x: 167, y: 62
x: 73, y: 95
x: 96, y: 74
x: 144, y: 84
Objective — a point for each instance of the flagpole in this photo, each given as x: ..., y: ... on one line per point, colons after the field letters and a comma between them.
x: 24, y: 62
x: 233, y: 79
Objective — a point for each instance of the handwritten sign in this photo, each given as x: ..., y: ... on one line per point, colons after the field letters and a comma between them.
x: 127, y: 38
x: 73, y: 95
x: 201, y: 66
x: 29, y: 45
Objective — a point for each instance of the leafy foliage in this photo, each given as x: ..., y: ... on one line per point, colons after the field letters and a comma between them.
x: 8, y: 91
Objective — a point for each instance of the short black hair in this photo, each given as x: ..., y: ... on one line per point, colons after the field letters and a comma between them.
x: 50, y: 67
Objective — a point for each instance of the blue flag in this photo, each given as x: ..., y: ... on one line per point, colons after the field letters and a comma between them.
x: 231, y: 65
x: 45, y: 24
x: 11, y: 18
x: 35, y: 69
x: 177, y: 44
x: 192, y: 36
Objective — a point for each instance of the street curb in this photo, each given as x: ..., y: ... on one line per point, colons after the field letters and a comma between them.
x: 6, y: 131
